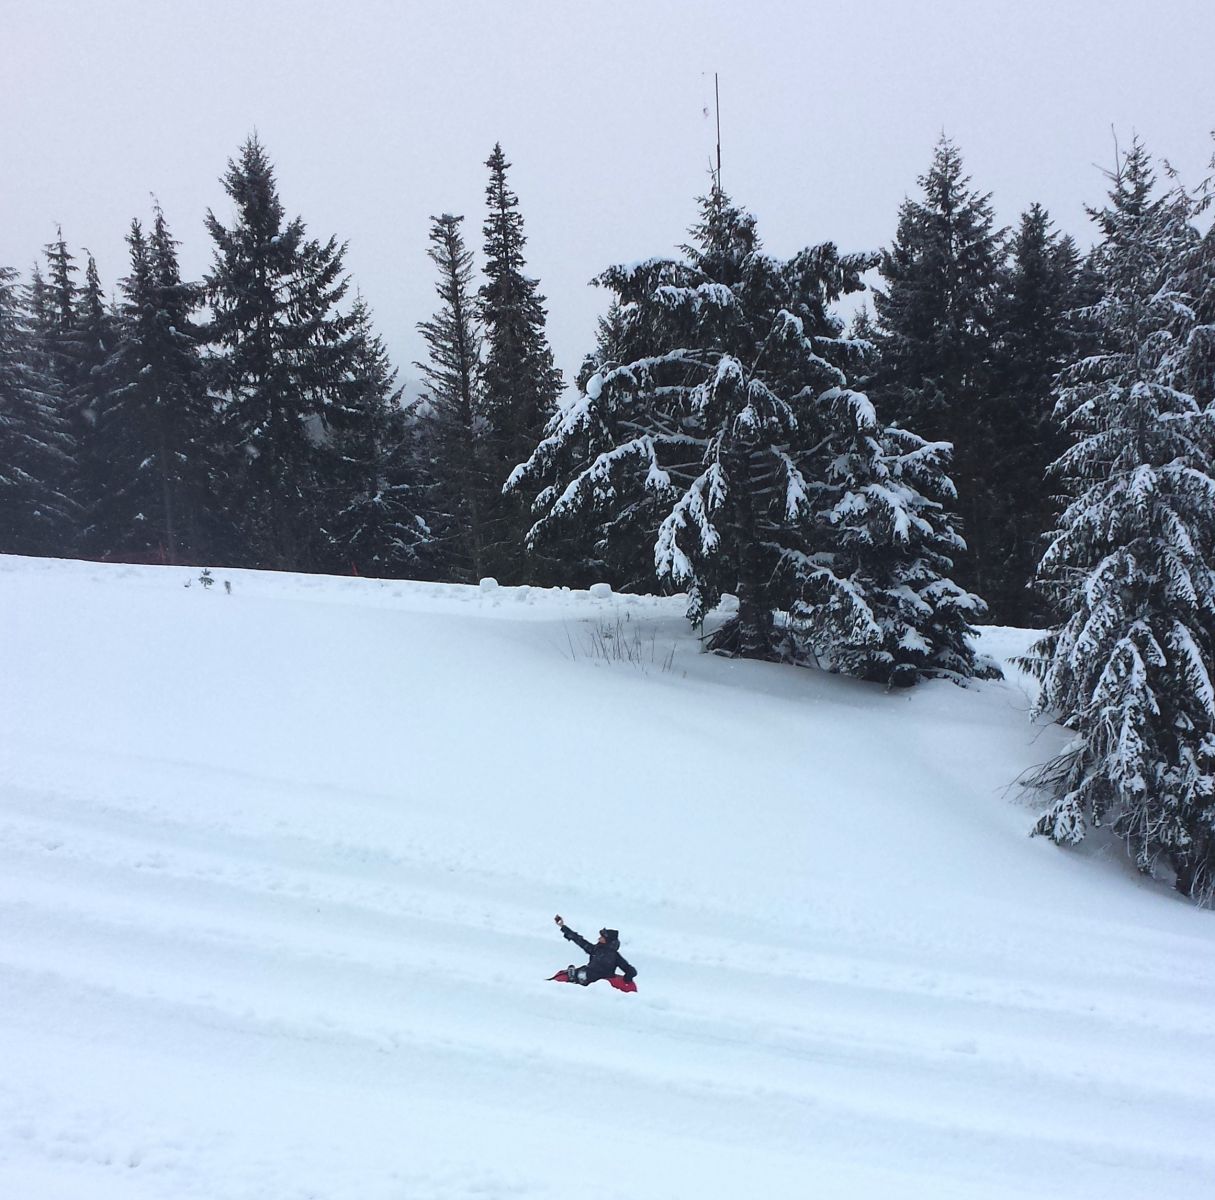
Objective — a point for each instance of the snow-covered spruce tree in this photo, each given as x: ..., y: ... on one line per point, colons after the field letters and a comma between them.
x: 935, y: 316
x: 283, y: 350
x: 1131, y: 559
x: 35, y: 444
x: 1033, y: 337
x: 579, y: 552
x: 459, y: 488
x: 519, y: 384
x: 892, y: 534
x: 733, y: 445
x: 157, y: 428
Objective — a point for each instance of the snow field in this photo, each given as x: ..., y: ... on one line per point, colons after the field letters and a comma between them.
x: 277, y: 876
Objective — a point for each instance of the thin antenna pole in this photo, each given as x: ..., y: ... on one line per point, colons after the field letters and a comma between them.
x: 717, y: 105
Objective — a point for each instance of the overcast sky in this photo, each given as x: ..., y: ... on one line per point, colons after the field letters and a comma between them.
x: 378, y: 114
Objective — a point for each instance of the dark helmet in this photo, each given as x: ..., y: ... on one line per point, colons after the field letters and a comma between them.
x: 610, y: 935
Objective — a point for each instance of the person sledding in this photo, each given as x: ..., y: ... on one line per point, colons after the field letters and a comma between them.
x: 605, y: 955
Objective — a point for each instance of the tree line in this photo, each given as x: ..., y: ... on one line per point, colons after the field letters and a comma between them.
x: 253, y: 419
x: 1012, y: 430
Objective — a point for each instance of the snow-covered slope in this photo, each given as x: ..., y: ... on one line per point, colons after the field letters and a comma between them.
x: 278, y: 868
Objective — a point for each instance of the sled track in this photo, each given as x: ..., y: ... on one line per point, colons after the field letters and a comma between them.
x: 258, y: 961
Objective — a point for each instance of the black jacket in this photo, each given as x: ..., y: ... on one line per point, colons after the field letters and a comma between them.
x: 606, y: 958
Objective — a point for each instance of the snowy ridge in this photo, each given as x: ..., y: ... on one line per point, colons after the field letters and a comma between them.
x: 278, y: 868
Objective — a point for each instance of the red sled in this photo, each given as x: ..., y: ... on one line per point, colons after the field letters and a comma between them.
x: 617, y: 981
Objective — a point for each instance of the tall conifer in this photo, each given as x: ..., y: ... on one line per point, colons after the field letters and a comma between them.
x: 158, y: 429
x: 282, y: 350
x: 935, y: 318
x: 57, y: 356
x: 1131, y: 560
x: 1194, y: 361
x: 519, y: 384
x: 461, y: 489
x: 372, y: 527
x: 36, y: 516
x: 1034, y: 335
x: 98, y: 335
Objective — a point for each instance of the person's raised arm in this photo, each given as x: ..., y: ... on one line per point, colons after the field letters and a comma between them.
x: 567, y: 932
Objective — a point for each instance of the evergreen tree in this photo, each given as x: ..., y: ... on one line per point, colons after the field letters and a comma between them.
x: 35, y: 514
x: 62, y: 336
x: 373, y: 529
x: 156, y: 429
x: 733, y: 444
x: 892, y: 534
x: 118, y: 455
x: 1131, y: 559
x: 40, y: 322
x: 864, y: 330
x: 185, y: 427
x: 1034, y: 335
x: 96, y: 342
x: 96, y: 337
x: 583, y: 552
x: 519, y: 384
x: 935, y: 321
x: 1195, y: 360
x: 283, y: 353
x: 461, y: 488
x: 58, y: 358
x: 62, y: 295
